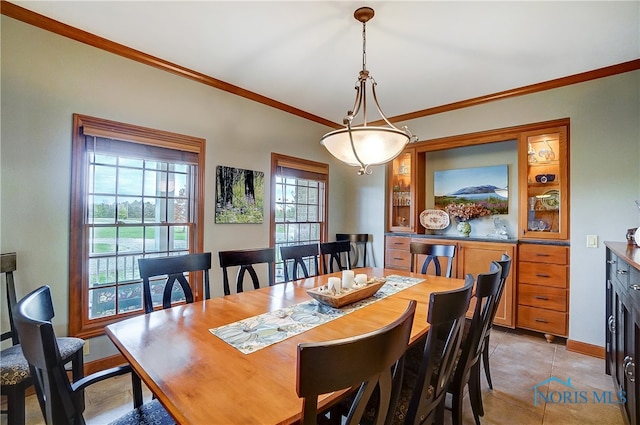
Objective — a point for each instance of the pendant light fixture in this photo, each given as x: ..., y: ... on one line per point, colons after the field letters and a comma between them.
x: 364, y: 145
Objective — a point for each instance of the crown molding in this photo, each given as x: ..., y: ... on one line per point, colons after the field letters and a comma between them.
x: 14, y: 11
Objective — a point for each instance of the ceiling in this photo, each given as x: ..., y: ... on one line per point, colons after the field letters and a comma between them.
x: 422, y: 54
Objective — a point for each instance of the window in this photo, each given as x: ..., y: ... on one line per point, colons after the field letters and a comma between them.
x: 299, y: 191
x: 135, y: 193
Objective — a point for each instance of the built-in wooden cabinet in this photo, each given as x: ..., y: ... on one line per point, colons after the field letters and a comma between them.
x: 543, y: 289
x: 471, y: 257
x: 405, y: 177
x: 622, y: 324
x: 544, y: 184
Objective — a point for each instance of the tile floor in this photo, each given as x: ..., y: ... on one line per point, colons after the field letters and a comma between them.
x: 519, y: 361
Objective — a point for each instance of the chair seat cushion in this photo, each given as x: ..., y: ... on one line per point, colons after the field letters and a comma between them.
x: 14, y: 368
x: 68, y: 346
x: 147, y: 414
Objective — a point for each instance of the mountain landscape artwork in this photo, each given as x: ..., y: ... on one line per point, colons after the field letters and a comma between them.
x: 485, y: 186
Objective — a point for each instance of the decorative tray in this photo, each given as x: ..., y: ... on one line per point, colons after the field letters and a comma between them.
x: 347, y: 296
x: 434, y: 219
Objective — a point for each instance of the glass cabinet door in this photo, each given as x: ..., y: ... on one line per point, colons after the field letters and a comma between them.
x: 401, y: 193
x: 544, y: 184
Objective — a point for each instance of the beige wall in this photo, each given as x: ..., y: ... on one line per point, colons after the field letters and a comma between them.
x: 46, y: 78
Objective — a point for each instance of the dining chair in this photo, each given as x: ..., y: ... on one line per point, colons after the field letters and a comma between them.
x: 505, y: 264
x: 433, y: 252
x: 358, y: 244
x: 467, y: 371
x: 59, y: 398
x: 372, y: 361
x: 332, y: 253
x: 174, y: 268
x: 15, y: 376
x: 299, y: 256
x: 246, y: 259
x: 424, y: 387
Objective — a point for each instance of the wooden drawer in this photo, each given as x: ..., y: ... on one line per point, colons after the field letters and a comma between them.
x: 397, y: 259
x: 544, y: 253
x: 398, y: 242
x: 543, y: 274
x: 543, y: 297
x: 541, y: 320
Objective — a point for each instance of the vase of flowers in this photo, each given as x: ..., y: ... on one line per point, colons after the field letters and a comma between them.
x: 464, y: 228
x: 464, y: 212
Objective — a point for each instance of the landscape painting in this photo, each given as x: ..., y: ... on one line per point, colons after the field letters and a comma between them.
x: 239, y: 195
x: 485, y: 186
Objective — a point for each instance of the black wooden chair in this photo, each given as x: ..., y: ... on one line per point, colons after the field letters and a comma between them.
x: 431, y: 362
x: 358, y: 247
x: 468, y: 368
x: 15, y: 376
x: 245, y: 260
x: 505, y: 264
x: 298, y: 256
x: 60, y: 399
x: 366, y: 362
x: 332, y: 253
x: 174, y: 268
x: 433, y: 252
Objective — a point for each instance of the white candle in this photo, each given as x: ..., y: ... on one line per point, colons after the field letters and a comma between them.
x: 347, y: 278
x: 361, y: 279
x: 333, y: 284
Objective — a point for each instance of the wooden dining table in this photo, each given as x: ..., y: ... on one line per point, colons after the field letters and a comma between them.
x: 202, y: 380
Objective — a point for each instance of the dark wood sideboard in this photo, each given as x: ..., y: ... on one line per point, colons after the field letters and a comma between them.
x: 623, y: 324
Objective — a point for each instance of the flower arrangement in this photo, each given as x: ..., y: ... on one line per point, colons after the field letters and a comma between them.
x: 464, y: 212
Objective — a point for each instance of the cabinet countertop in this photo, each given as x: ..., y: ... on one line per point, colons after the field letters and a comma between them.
x: 478, y: 239
x: 629, y: 252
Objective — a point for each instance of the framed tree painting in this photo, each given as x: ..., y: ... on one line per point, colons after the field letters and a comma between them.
x: 239, y: 195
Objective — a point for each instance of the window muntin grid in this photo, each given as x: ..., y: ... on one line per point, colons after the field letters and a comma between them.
x: 299, y: 216
x: 135, y: 208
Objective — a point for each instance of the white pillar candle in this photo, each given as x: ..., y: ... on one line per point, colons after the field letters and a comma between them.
x: 347, y: 278
x: 333, y: 284
x: 361, y: 279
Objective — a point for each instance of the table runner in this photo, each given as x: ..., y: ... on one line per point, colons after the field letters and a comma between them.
x: 255, y: 333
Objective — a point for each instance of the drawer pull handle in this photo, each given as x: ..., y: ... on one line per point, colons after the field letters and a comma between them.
x: 635, y: 286
x: 612, y: 324
x: 630, y: 368
x: 541, y: 254
x: 541, y: 320
x: 542, y: 275
x: 540, y: 297
x: 621, y: 271
x: 611, y: 261
x: 398, y: 258
x: 398, y: 243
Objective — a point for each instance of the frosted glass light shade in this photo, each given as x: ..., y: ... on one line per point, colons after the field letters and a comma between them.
x: 374, y: 145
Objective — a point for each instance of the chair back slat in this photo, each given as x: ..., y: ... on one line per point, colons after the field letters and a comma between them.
x: 446, y: 317
x: 174, y: 267
x: 332, y: 253
x: 296, y: 257
x: 8, y: 263
x: 363, y: 361
x: 433, y: 252
x: 357, y: 240
x: 245, y: 260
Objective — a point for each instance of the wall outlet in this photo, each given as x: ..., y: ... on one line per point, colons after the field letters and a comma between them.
x: 85, y: 348
x: 592, y: 241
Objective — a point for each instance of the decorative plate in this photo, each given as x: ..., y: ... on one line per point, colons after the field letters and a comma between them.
x: 551, y: 199
x: 434, y: 219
